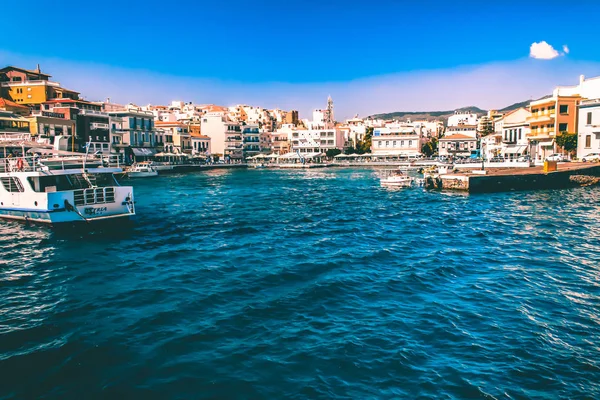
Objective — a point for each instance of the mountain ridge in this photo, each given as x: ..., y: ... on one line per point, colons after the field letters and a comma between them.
x: 432, y: 115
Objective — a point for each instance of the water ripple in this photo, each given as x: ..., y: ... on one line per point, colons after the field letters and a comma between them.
x: 308, y: 284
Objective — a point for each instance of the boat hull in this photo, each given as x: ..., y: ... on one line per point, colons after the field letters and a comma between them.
x: 142, y: 174
x: 59, y: 217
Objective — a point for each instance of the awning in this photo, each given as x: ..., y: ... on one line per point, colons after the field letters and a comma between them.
x: 547, y: 144
x: 515, y: 150
x: 143, y: 152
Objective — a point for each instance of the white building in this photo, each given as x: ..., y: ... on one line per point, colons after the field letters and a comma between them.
x: 462, y: 118
x: 515, y: 133
x: 588, y: 139
x: 316, y: 140
x: 459, y: 141
x: 396, y: 139
x: 219, y: 128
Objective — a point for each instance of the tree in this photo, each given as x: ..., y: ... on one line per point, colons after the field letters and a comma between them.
x: 430, y: 148
x: 364, y: 146
x: 568, y: 141
x: 332, y: 153
x: 427, y: 149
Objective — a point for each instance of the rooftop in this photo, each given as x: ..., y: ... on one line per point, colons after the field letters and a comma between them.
x: 9, y: 103
x: 27, y: 71
x: 457, y: 136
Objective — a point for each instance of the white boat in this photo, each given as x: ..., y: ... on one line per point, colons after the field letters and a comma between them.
x: 397, y: 179
x: 144, y: 169
x: 55, y: 192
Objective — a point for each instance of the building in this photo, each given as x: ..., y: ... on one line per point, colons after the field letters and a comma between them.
x: 132, y: 130
x: 251, y: 140
x: 491, y: 145
x: 175, y: 136
x: 515, y: 133
x: 550, y: 117
x: 396, y: 139
x: 557, y: 114
x: 53, y: 128
x: 462, y: 118
x: 323, y: 118
x: 459, y: 141
x: 280, y: 140
x: 316, y: 140
x: 200, y: 144
x: 458, y: 145
x: 291, y: 117
x: 13, y: 125
x: 31, y: 87
x: 11, y: 106
x: 225, y: 135
x: 92, y: 125
x: 588, y: 136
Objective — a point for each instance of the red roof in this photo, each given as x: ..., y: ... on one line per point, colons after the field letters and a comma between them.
x: 8, y: 103
x: 457, y: 136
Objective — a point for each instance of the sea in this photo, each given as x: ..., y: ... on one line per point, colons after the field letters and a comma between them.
x: 311, y: 284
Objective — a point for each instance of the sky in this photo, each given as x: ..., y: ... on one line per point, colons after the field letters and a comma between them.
x: 370, y: 56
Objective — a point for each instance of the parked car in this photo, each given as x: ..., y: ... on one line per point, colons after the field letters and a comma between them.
x: 556, y: 157
x: 524, y: 159
x: 592, y: 157
x: 497, y: 159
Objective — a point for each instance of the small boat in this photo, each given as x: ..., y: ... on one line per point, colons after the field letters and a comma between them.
x: 142, y: 170
x: 397, y: 179
x: 259, y: 165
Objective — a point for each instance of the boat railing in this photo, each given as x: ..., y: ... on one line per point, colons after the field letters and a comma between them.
x: 56, y: 162
x: 97, y: 195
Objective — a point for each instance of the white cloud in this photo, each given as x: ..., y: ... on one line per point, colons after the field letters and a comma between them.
x: 566, y: 49
x: 542, y: 51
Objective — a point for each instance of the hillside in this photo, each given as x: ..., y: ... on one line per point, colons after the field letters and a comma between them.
x: 443, y: 115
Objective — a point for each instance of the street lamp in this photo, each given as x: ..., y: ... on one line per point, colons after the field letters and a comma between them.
x: 482, y: 156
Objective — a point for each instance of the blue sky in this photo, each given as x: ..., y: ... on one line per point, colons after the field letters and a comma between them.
x: 370, y: 55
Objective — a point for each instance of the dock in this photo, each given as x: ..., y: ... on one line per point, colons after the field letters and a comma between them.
x: 504, y: 180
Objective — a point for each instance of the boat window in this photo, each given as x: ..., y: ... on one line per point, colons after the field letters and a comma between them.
x: 105, y: 180
x: 57, y: 183
x: 12, y: 184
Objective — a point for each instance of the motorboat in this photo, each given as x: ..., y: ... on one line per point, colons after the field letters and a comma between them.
x: 62, y: 192
x: 144, y: 169
x: 397, y: 179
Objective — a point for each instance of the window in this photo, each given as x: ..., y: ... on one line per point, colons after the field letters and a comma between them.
x: 563, y: 127
x: 589, y: 118
x: 410, y: 143
x: 402, y: 143
x: 588, y: 141
x: 394, y: 143
x: 520, y: 134
x: 564, y: 109
x: 387, y: 143
x: 443, y: 145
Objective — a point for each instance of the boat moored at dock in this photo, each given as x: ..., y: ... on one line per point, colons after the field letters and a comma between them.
x: 56, y: 192
x: 144, y: 169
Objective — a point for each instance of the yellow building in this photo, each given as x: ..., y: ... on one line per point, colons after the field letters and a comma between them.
x: 549, y: 118
x: 31, y: 88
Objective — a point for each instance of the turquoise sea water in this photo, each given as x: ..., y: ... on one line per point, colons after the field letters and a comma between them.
x: 304, y: 285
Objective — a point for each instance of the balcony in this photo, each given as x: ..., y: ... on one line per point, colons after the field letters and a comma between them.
x: 542, y: 116
x: 251, y: 140
x: 234, y: 146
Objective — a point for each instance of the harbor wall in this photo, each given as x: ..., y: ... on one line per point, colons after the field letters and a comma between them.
x: 529, y: 181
